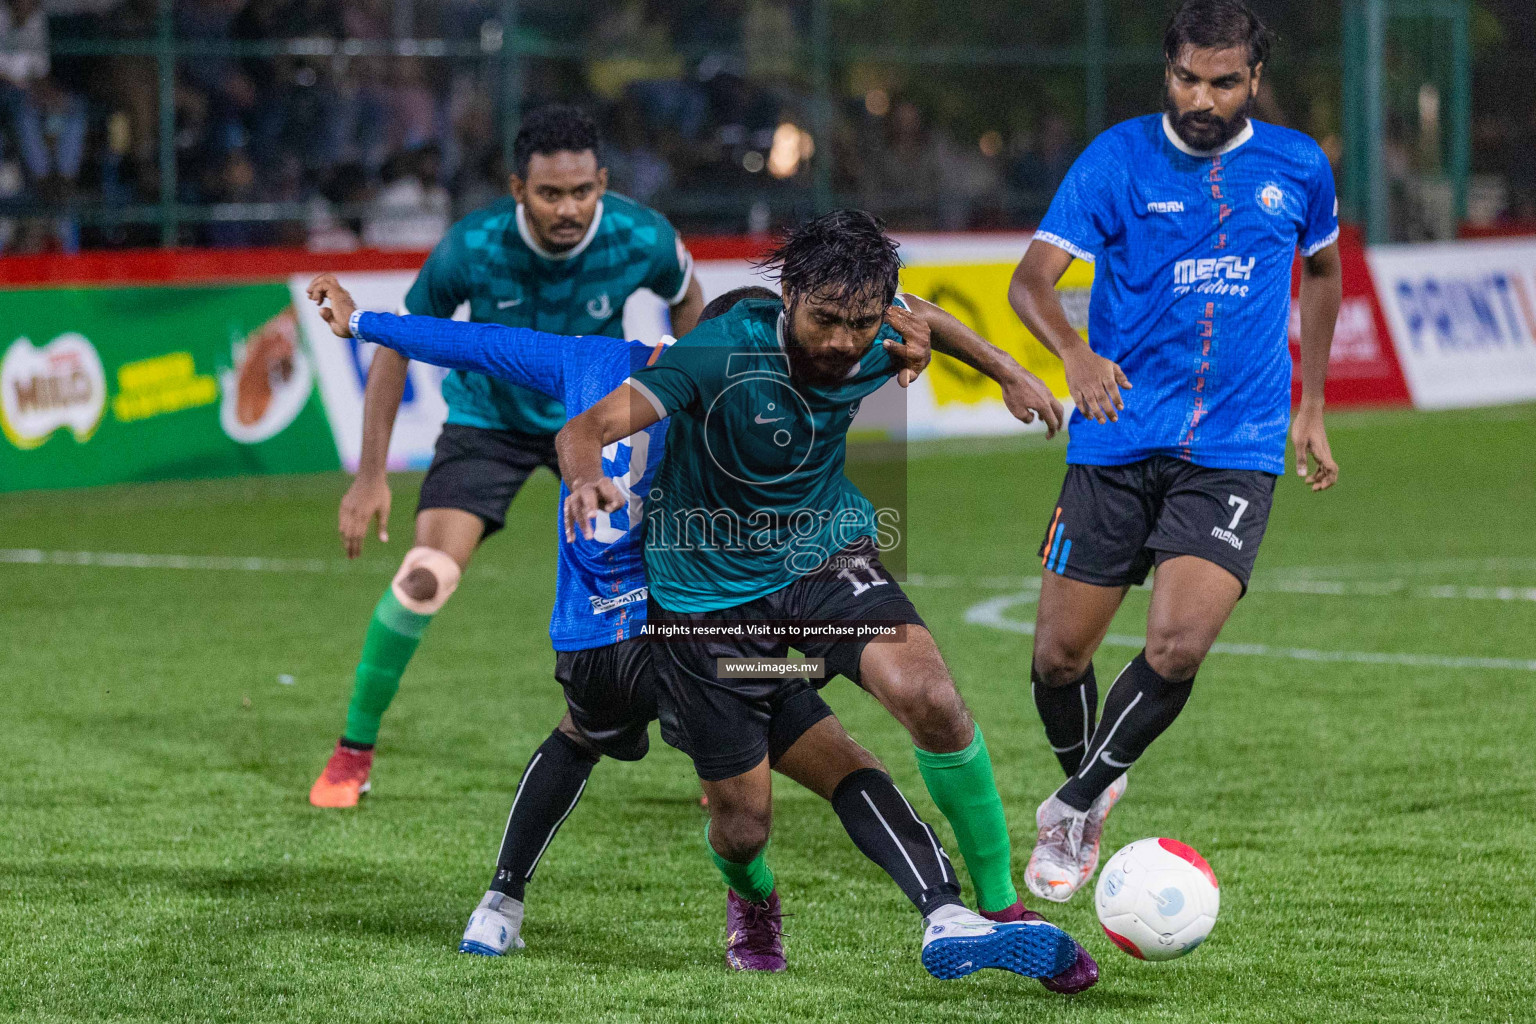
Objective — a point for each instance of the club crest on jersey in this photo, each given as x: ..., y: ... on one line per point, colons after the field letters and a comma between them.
x: 600, y: 308
x: 1272, y: 199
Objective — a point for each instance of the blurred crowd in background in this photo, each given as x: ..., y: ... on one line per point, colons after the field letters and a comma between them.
x: 707, y: 108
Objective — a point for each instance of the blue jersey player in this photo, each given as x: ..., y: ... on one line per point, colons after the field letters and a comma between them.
x: 1192, y: 220
x: 561, y: 254
x: 612, y: 694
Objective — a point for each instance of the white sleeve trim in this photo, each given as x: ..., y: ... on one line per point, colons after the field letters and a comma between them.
x: 1321, y: 244
x: 352, y: 324
x: 687, y: 276
x: 1062, y: 243
x: 650, y: 396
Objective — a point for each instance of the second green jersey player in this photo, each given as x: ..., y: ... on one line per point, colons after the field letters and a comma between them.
x: 561, y: 255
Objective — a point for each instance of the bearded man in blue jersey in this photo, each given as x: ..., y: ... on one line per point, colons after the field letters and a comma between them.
x: 1192, y: 219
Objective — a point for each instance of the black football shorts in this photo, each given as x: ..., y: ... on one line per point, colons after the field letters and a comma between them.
x: 1112, y: 524
x: 723, y: 724
x: 481, y: 470
x: 611, y: 694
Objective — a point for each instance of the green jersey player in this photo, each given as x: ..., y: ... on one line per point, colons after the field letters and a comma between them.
x: 561, y: 255
x: 756, y: 541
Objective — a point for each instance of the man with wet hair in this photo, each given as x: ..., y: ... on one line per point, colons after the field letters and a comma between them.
x: 752, y: 525
x: 607, y: 668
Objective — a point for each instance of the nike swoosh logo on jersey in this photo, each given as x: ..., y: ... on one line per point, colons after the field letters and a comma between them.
x: 509, y: 303
x: 758, y: 419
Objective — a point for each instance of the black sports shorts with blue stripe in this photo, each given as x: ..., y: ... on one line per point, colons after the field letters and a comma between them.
x: 1112, y: 524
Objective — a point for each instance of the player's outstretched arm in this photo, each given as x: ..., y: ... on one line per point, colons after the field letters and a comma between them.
x: 622, y: 412
x: 1025, y: 394
x: 521, y: 355
x: 368, y: 498
x: 1322, y: 292
x: 1093, y: 381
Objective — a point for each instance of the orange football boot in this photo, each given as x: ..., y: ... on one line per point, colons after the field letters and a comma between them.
x: 345, y: 778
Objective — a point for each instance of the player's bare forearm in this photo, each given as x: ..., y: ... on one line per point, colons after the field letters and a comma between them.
x: 1032, y: 294
x: 1025, y: 394
x: 685, y: 315
x: 1094, y: 382
x: 368, y: 498
x: 381, y: 401
x: 579, y: 444
x: 1322, y: 292
x: 953, y: 338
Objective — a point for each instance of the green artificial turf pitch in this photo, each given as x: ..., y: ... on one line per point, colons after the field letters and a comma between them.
x: 1371, y: 821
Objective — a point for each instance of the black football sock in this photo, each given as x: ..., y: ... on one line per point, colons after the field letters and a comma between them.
x: 888, y: 831
x: 546, y: 795
x: 1140, y: 705
x: 1068, y: 713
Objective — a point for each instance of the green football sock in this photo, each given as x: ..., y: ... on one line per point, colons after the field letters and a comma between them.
x: 961, y: 785
x: 393, y: 633
x: 751, y: 881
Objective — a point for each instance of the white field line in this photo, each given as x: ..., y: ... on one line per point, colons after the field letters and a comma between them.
x: 1289, y: 576
x: 1292, y: 581
x: 215, y: 563
x: 1322, y: 588
x: 1429, y: 567
x: 993, y: 613
x: 987, y: 613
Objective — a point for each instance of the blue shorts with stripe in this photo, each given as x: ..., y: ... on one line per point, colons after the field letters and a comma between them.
x: 1112, y: 524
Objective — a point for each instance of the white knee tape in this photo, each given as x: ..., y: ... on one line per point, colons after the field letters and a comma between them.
x: 439, y: 564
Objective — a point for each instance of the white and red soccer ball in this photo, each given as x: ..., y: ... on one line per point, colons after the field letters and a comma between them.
x: 1157, y: 899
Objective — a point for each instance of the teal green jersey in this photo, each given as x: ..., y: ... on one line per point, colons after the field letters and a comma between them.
x: 491, y: 260
x: 751, y: 493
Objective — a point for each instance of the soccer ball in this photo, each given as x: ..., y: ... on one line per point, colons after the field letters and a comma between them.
x: 1157, y: 899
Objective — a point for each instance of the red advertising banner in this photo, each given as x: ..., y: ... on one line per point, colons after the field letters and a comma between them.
x: 1363, y: 367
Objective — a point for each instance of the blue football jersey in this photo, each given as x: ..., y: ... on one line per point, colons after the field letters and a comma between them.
x: 1192, y: 257
x: 600, y: 588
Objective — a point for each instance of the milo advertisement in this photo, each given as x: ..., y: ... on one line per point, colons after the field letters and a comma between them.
x: 121, y: 384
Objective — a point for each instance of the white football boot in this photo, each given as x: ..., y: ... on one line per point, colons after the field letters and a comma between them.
x: 495, y: 927
x: 1093, y: 828
x: 1055, y: 869
x: 1066, y: 850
